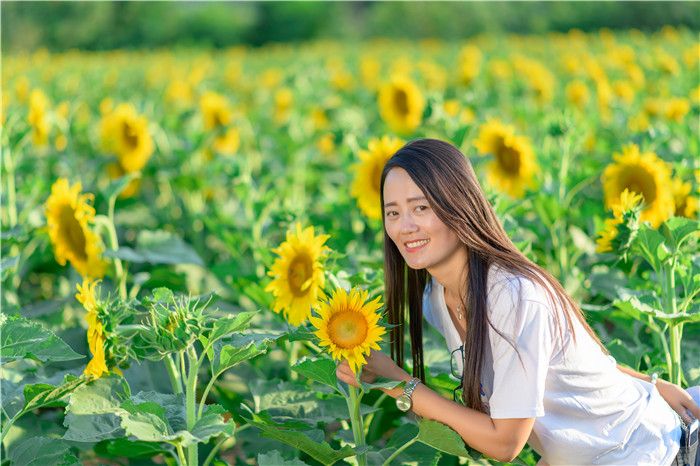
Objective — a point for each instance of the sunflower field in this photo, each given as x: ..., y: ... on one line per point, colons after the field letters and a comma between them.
x: 192, y: 239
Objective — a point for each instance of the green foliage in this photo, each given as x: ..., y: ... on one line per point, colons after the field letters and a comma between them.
x: 21, y: 338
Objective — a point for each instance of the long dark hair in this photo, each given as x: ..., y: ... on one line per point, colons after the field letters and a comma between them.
x: 448, y: 182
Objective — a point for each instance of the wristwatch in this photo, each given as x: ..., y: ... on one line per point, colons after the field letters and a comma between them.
x: 404, y: 401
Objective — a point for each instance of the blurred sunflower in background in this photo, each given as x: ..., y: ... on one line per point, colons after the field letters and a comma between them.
x: 643, y: 173
x: 348, y: 324
x: 401, y: 104
x: 298, y: 276
x: 95, y: 333
x: 38, y: 117
x: 125, y: 133
x: 218, y: 117
x: 686, y: 205
x: 68, y: 215
x: 368, y: 173
x: 513, y: 167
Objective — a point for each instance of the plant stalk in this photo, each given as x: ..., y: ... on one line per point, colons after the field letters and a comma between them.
x: 358, y: 431
x: 191, y: 403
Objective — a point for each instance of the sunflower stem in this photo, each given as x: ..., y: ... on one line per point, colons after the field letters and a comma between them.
x: 107, y: 223
x: 358, y: 431
x: 174, y: 375
x: 295, y: 347
x: 191, y: 403
x: 11, y: 194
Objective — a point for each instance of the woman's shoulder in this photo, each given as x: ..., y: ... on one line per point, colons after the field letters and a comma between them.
x: 505, y: 287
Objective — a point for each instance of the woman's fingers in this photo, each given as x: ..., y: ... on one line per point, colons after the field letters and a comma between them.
x: 344, y: 374
x: 692, y: 407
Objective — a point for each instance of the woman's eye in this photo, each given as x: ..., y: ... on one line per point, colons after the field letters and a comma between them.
x: 421, y: 208
x: 391, y: 213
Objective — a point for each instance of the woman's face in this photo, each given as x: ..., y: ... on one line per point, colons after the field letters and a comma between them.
x: 423, y: 240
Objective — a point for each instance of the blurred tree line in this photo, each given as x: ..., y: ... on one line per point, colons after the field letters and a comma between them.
x: 109, y: 25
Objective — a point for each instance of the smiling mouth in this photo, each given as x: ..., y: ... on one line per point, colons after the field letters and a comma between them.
x: 415, y: 245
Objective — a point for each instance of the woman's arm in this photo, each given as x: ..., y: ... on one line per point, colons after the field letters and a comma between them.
x: 501, y: 439
x: 675, y: 396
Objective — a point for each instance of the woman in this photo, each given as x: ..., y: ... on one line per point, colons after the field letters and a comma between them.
x: 532, y: 369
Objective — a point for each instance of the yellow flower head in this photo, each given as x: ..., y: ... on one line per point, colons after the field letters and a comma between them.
x: 368, y: 173
x: 298, y: 278
x: 68, y: 214
x: 469, y: 63
x: 401, y: 104
x: 284, y: 98
x: 686, y: 205
x: 629, y: 200
x: 125, y: 133
x: 38, y: 117
x: 676, y: 109
x: 216, y: 110
x: 95, y: 334
x: 645, y: 174
x: 348, y: 324
x: 577, y: 93
x: 513, y: 167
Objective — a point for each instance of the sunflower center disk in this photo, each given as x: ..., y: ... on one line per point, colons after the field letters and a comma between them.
x: 641, y: 182
x: 72, y: 233
x: 401, y: 102
x: 508, y: 158
x: 130, y: 136
x: 348, y: 329
x: 299, y: 273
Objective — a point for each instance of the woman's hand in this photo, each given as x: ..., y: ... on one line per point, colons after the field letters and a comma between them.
x: 678, y: 399
x: 378, y: 365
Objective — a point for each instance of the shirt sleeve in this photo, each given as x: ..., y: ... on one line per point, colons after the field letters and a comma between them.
x: 519, y: 366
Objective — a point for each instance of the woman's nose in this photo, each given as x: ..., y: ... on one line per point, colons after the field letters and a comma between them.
x: 408, y: 225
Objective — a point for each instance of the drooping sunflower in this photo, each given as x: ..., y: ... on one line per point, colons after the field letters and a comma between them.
x: 125, y: 133
x: 513, y: 167
x: 95, y: 333
x: 401, y: 104
x: 298, y: 278
x: 368, y: 172
x: 644, y: 173
x: 628, y: 201
x: 68, y: 215
x: 348, y: 324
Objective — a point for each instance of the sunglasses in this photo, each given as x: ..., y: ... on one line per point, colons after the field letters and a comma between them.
x: 454, y: 371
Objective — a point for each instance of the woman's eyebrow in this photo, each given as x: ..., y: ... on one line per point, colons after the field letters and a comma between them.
x: 410, y: 199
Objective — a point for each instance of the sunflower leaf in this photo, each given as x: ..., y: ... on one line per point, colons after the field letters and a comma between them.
x: 229, y: 325
x: 21, y: 338
x: 158, y: 247
x: 42, y: 450
x: 319, y: 370
x: 91, y: 415
x: 274, y: 458
x: 382, y: 382
x: 441, y: 437
x: 231, y: 351
x: 116, y: 187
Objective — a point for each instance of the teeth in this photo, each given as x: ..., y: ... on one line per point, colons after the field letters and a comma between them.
x: 416, y: 244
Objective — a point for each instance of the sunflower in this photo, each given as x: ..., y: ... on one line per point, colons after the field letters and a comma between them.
x: 686, y: 205
x: 298, y: 278
x: 68, y: 214
x: 469, y: 63
x: 348, y: 325
x: 114, y: 170
x: 629, y: 200
x: 125, y: 133
x: 644, y: 173
x: 368, y: 172
x: 95, y: 333
x: 401, y: 104
x: 577, y: 93
x: 38, y: 117
x: 513, y: 167
x: 676, y: 109
x: 216, y: 111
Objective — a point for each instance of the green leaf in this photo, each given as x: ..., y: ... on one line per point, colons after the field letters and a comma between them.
x: 679, y: 229
x: 319, y: 450
x: 158, y: 247
x: 123, y: 447
x: 382, y: 382
x: 228, y: 325
x: 212, y: 424
x: 21, y: 338
x: 319, y: 370
x: 274, y: 458
x: 650, y: 244
x: 146, y: 421
x: 236, y: 349
x: 41, y: 395
x: 91, y: 415
x: 41, y: 451
x: 441, y: 437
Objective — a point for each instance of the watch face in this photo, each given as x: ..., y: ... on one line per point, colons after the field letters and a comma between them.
x: 403, y: 402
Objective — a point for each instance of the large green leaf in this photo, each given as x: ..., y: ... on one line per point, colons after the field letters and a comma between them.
x: 158, y: 247
x: 228, y: 325
x: 441, y: 437
x: 318, y: 449
x: 21, y: 338
x: 42, y: 451
x: 91, y: 415
x: 319, y: 370
x: 123, y: 447
x: 42, y: 395
x: 235, y: 349
x: 274, y: 458
x: 677, y: 230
